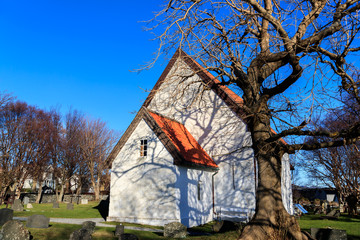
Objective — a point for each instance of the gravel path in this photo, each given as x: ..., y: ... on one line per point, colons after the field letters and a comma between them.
x: 99, y: 222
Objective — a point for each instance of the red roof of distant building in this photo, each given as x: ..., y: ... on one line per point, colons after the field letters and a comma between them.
x: 184, y: 142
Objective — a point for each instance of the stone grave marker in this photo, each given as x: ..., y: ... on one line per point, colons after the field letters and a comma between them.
x: 6, y: 214
x: 334, y: 213
x: 85, y: 232
x: 14, y: 229
x: 29, y: 205
x: 89, y: 226
x: 328, y: 234
x: 70, y: 206
x: 175, y: 230
x: 37, y: 221
x: 17, y: 206
x: 81, y: 234
x: 84, y: 201
x: 119, y: 229
x: 56, y: 205
x: 26, y: 200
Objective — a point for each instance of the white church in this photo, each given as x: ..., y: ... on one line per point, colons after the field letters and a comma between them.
x: 187, y: 157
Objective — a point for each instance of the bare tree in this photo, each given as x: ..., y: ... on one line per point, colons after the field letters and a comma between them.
x: 71, y: 160
x: 337, y: 167
x: 288, y: 59
x: 16, y: 146
x: 43, y: 134
x: 96, y: 145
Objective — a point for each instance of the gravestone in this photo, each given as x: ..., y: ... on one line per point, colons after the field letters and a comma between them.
x: 334, y: 213
x: 37, y: 221
x: 84, y: 201
x: 70, y: 206
x: 317, y: 211
x: 56, y: 205
x: 89, y: 226
x: 175, y: 230
x: 6, y: 214
x: 29, y: 205
x: 119, y: 229
x: 17, y: 206
x: 85, y: 232
x: 328, y: 234
x: 14, y: 229
x: 217, y: 226
x: 128, y: 236
x: 81, y: 234
x: 26, y: 200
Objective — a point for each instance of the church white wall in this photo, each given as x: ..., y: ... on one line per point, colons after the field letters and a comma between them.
x: 220, y: 132
x: 286, y: 188
x: 194, y: 211
x: 143, y: 188
x: 153, y: 190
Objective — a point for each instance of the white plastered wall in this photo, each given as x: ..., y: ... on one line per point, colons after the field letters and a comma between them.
x: 218, y: 130
x: 286, y: 188
x: 222, y: 135
x: 153, y: 190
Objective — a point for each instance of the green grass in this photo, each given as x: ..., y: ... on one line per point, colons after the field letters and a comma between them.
x: 63, y: 231
x: 58, y: 231
x: 351, y: 225
x: 80, y: 211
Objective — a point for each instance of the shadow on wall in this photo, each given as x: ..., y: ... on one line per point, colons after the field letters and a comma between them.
x: 103, y: 208
x: 152, y: 185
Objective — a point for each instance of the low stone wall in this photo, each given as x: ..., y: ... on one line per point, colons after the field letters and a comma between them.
x: 49, y: 198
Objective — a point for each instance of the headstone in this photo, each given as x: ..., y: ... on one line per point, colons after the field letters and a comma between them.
x: 119, y: 229
x: 175, y: 230
x: 328, y: 234
x: 128, y: 236
x: 56, y: 205
x: 17, y: 206
x: 37, y: 221
x: 217, y: 226
x: 81, y: 234
x: 14, y: 230
x: 26, y: 200
x: 29, y: 205
x: 317, y: 211
x: 6, y: 214
x: 70, y: 206
x: 334, y: 213
x: 89, y: 226
x: 84, y: 201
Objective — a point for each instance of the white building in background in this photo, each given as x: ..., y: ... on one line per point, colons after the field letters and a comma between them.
x: 187, y: 155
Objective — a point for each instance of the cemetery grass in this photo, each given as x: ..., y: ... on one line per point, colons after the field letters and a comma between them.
x: 58, y: 231
x: 344, y: 222
x: 80, y: 211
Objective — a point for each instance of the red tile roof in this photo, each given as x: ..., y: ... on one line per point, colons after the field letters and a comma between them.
x: 184, y: 142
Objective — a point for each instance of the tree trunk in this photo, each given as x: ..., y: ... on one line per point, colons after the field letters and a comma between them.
x: 61, y: 195
x: 96, y: 186
x: 38, y: 198
x: 271, y: 220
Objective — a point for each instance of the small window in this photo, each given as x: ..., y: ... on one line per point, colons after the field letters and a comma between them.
x: 143, y: 147
x: 199, y: 190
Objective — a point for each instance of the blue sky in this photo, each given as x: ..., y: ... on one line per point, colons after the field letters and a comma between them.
x: 79, y: 54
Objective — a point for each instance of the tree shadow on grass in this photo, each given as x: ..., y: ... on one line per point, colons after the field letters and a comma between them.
x: 103, y: 208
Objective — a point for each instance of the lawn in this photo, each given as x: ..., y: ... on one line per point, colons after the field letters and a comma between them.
x: 58, y: 231
x: 80, y: 211
x: 91, y: 210
x: 351, y: 225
